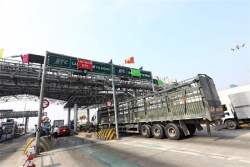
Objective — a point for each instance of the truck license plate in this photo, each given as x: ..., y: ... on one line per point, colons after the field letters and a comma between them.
x: 217, y: 117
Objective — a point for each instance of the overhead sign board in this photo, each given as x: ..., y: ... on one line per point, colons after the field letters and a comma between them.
x: 61, y: 61
x: 146, y: 75
x: 155, y: 81
x: 135, y: 73
x: 122, y: 71
x: 102, y: 68
x: 82, y: 73
x: 84, y: 64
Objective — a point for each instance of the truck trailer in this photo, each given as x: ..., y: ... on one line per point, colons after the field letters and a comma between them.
x: 58, y: 123
x: 174, y: 112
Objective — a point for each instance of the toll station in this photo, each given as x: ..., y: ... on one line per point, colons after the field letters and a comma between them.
x: 71, y: 81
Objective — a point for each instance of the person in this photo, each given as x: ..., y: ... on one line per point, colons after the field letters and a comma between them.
x: 35, y: 129
x: 55, y: 133
x: 44, y: 130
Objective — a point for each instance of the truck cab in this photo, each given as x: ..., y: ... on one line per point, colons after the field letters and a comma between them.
x: 238, y: 113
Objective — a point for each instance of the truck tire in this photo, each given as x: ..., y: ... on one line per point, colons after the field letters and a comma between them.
x: 182, y: 134
x: 158, y: 131
x: 146, y: 131
x: 191, y: 128
x: 231, y: 124
x: 173, y: 131
x: 164, y: 134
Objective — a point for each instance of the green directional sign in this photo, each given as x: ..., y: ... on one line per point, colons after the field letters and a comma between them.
x: 135, y: 73
x: 61, y: 61
x: 160, y: 82
x: 103, y: 68
x: 155, y: 81
x: 146, y: 75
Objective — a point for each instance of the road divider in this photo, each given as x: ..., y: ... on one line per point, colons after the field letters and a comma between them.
x: 105, y: 134
x: 44, y: 145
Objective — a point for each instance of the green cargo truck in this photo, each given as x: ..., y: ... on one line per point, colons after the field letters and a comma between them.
x: 174, y: 112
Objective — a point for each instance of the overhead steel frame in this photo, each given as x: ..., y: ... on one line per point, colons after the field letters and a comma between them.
x: 23, y: 81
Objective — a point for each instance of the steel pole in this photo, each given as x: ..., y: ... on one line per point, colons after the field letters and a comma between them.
x: 153, y: 87
x: 69, y: 116
x: 40, y: 109
x: 75, y: 118
x: 244, y: 61
x: 109, y: 117
x: 115, y: 108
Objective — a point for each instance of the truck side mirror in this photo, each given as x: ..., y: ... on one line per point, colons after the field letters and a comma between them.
x: 226, y: 113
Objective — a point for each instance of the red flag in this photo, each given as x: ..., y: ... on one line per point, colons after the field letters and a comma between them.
x: 130, y: 60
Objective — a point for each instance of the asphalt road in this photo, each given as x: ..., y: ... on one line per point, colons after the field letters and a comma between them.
x: 224, y: 148
x: 10, y: 148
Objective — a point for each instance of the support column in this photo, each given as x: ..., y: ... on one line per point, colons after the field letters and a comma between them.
x: 115, y: 107
x: 88, y: 119
x: 69, y: 109
x: 26, y: 124
x: 75, y: 118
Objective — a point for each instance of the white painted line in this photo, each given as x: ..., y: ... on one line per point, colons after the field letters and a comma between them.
x: 218, y: 157
x: 185, y: 152
x: 245, y: 161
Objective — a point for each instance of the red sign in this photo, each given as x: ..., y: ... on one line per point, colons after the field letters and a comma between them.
x: 45, y: 103
x: 108, y: 104
x: 46, y: 119
x: 85, y: 64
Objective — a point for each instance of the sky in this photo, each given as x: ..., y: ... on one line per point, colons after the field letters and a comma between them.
x: 175, y: 39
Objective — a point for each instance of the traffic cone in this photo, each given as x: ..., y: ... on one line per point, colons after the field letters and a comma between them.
x: 31, y: 164
x: 30, y: 157
x: 34, y: 145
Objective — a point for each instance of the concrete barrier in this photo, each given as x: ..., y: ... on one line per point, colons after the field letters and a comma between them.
x: 45, y: 144
x: 28, y: 144
x: 105, y: 134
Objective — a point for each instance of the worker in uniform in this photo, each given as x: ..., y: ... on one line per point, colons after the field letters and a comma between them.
x: 55, y: 130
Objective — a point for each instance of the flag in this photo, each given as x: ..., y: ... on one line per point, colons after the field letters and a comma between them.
x: 1, y: 53
x: 130, y: 60
x: 110, y: 62
x: 141, y: 68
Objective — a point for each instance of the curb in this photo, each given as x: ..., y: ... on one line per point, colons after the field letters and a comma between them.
x: 1, y: 141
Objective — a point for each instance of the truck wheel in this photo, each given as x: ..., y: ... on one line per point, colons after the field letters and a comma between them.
x: 172, y: 131
x: 164, y: 134
x: 146, y: 131
x: 182, y: 134
x: 158, y: 131
x: 191, y: 128
x: 231, y: 124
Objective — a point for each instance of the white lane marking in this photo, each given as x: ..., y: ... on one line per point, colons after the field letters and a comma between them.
x: 185, y: 152
x: 245, y: 161
x: 192, y: 152
x: 217, y: 156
